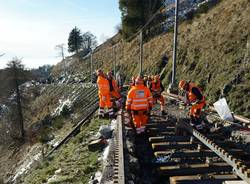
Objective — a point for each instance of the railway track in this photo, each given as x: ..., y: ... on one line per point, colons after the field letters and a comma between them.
x: 171, y: 151
x: 87, y: 112
x: 76, y: 129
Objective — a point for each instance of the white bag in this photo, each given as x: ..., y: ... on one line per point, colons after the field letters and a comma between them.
x: 223, y: 110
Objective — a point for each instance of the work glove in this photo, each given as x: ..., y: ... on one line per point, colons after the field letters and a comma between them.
x: 195, y: 102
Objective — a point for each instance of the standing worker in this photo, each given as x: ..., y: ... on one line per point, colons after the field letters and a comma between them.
x: 104, y: 95
x: 114, y: 90
x: 193, y: 96
x: 157, y: 88
x: 132, y: 82
x: 145, y: 79
x: 139, y: 103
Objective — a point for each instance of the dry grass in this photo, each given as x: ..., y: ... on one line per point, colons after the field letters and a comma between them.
x: 211, y: 50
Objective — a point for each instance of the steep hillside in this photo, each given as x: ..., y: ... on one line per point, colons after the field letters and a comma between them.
x: 50, y: 112
x: 212, y: 52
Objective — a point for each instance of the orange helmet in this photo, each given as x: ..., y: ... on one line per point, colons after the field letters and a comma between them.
x: 138, y: 81
x: 182, y: 84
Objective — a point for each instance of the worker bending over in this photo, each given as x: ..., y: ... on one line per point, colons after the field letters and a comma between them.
x: 139, y: 103
x: 157, y: 88
x: 193, y: 96
x: 104, y: 95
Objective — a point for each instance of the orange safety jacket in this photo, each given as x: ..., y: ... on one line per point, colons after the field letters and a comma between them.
x: 103, y: 86
x: 139, y: 98
x: 156, y: 86
x: 115, y: 86
x: 191, y: 96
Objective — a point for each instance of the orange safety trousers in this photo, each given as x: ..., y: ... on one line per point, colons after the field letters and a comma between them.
x: 140, y: 118
x: 105, y: 101
x: 161, y: 99
x: 196, y: 109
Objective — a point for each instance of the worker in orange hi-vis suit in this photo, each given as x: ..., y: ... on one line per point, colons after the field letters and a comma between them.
x: 132, y: 82
x: 139, y: 103
x: 114, y: 90
x: 193, y: 96
x: 156, y: 89
x: 104, y: 95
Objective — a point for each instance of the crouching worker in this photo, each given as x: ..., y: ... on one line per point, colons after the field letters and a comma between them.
x: 157, y: 88
x: 104, y: 95
x: 139, y: 103
x: 114, y: 91
x: 194, y: 97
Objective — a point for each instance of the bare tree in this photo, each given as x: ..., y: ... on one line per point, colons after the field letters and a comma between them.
x: 2, y: 54
x: 89, y: 42
x: 61, y: 49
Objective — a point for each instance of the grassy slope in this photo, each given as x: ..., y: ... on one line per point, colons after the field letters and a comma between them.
x: 215, y: 44
x: 211, y: 45
x: 76, y: 162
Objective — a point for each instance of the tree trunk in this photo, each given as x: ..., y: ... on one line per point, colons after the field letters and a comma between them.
x: 19, y: 105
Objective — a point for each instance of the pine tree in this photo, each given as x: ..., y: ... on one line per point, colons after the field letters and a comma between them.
x: 16, y: 70
x: 135, y: 13
x: 75, y: 40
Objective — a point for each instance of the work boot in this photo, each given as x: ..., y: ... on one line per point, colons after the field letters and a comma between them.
x: 101, y: 113
x: 113, y: 116
x: 101, y: 116
x: 110, y: 114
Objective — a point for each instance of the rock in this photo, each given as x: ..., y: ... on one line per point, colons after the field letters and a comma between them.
x: 98, y: 144
x: 105, y: 131
x: 130, y: 134
x: 130, y: 182
x: 130, y: 147
x: 133, y: 164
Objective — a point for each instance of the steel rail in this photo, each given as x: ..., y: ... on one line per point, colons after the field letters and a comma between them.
x: 79, y: 124
x: 238, y: 166
x: 119, y: 172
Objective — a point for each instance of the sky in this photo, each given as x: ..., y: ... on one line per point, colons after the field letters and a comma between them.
x: 30, y: 29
